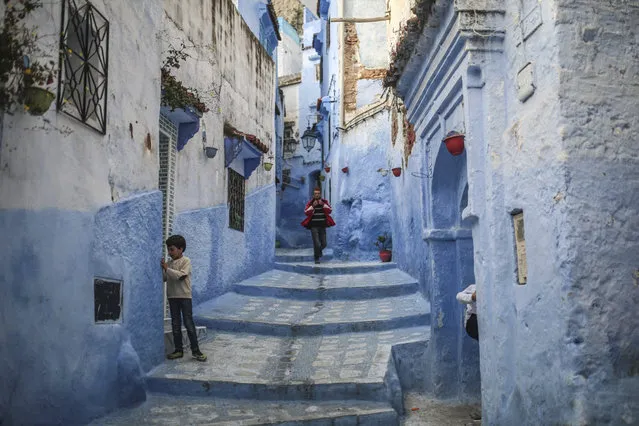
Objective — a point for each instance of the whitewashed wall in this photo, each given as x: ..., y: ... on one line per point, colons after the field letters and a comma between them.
x: 238, y: 88
x: 55, y: 161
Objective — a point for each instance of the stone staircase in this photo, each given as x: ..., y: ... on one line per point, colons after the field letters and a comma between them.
x: 327, y: 344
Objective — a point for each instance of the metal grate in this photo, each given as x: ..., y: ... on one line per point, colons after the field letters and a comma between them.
x: 84, y: 54
x: 236, y: 194
x: 166, y: 183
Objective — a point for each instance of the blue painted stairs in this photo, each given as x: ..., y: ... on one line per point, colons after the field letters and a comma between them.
x: 327, y: 344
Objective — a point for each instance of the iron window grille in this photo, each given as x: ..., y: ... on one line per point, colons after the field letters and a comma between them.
x: 236, y: 195
x: 84, y: 54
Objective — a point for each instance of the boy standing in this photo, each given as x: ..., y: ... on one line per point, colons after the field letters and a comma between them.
x: 177, y: 274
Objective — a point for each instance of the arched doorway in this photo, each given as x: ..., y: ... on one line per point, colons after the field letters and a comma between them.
x: 455, y: 356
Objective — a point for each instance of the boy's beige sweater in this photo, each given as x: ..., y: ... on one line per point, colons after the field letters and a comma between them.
x: 178, y: 278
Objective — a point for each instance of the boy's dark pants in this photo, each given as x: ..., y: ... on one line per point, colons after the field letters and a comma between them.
x: 185, y: 308
x: 472, y: 327
x: 319, y: 240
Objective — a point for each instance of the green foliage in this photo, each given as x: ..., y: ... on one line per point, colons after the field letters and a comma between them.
x: 17, y: 44
x: 174, y: 93
x: 409, y: 35
x: 383, y: 242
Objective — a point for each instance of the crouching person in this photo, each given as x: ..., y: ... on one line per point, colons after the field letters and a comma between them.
x: 468, y: 296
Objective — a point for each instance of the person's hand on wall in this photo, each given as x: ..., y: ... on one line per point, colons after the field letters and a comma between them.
x: 163, y: 264
x: 474, y: 297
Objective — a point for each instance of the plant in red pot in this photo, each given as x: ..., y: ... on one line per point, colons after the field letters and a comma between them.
x: 397, y: 171
x: 383, y: 243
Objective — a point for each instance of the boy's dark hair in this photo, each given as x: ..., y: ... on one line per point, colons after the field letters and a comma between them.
x: 317, y: 189
x: 176, y: 240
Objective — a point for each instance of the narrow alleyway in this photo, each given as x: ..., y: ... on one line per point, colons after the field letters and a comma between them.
x: 303, y: 343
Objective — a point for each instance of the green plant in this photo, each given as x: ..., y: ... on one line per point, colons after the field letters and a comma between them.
x: 18, y: 44
x: 174, y: 93
x: 383, y: 242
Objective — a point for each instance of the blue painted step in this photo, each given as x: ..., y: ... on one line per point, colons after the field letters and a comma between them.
x: 291, y: 285
x: 334, y: 267
x: 164, y: 410
x: 286, y: 317
x: 300, y: 255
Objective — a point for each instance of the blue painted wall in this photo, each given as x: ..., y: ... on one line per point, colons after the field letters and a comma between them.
x: 361, y: 198
x: 59, y: 367
x: 222, y: 256
x: 562, y: 348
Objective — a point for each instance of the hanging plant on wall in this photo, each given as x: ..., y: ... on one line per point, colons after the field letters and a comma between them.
x: 24, y: 81
x: 174, y: 94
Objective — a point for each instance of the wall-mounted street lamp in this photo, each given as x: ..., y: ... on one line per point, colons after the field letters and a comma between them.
x: 309, y: 137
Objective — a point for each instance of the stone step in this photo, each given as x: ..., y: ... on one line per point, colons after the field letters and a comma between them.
x: 287, y: 317
x: 349, y: 366
x: 300, y: 255
x: 171, y: 410
x: 334, y: 267
x: 284, y: 284
x: 200, y: 330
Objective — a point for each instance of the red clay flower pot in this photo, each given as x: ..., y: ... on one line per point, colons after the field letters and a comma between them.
x: 345, y: 169
x: 385, y: 255
x: 397, y: 171
x: 454, y: 143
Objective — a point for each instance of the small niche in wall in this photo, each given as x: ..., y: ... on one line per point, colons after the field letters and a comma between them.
x: 520, y: 246
x: 107, y: 295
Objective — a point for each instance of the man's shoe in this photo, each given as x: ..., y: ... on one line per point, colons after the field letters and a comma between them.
x: 317, y: 261
x: 175, y: 355
x: 199, y: 356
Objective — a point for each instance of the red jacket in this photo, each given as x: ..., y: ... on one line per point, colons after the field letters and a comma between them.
x: 309, y: 210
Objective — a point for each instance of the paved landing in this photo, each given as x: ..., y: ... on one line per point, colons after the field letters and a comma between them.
x: 181, y: 411
x: 272, y: 360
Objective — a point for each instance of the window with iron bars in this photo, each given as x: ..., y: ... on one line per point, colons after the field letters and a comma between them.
x: 84, y: 55
x: 290, y: 143
x: 236, y: 195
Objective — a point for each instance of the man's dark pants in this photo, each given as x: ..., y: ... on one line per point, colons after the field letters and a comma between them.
x: 319, y: 240
x: 184, y: 308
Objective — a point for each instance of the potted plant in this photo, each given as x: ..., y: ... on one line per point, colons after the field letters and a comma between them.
x: 454, y: 142
x: 383, y: 243
x: 23, y: 80
x: 345, y: 169
x: 397, y: 171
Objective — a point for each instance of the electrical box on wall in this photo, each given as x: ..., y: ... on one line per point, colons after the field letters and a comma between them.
x: 108, y: 300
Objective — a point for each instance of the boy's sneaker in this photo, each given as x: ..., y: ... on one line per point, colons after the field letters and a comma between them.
x: 175, y: 355
x: 199, y: 356
x: 317, y: 261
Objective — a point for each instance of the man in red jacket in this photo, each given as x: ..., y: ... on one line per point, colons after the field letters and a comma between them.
x: 318, y: 218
